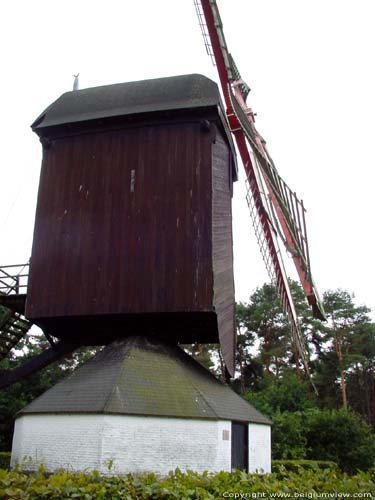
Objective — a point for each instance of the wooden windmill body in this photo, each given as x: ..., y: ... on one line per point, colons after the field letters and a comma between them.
x: 133, y: 228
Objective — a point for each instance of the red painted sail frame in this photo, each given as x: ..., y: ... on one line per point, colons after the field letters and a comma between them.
x: 289, y: 211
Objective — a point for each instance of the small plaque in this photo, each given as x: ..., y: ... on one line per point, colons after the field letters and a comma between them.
x: 225, y: 435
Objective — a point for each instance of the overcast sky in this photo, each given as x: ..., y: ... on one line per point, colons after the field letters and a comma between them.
x: 309, y: 63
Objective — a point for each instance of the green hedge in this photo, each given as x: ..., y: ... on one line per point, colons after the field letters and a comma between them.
x: 297, y: 465
x: 178, y: 485
x: 4, y: 460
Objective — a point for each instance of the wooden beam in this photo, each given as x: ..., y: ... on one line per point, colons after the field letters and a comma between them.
x: 48, y: 356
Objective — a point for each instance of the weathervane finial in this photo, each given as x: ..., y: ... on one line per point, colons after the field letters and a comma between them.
x: 76, y: 82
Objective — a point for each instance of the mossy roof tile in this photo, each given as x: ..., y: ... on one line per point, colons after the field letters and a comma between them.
x: 143, y: 376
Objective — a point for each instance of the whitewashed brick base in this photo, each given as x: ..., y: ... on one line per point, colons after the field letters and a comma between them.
x: 115, y: 444
x: 259, y: 448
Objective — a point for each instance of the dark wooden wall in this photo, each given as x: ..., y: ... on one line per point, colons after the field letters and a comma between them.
x: 222, y: 247
x: 133, y: 233
x: 123, y: 223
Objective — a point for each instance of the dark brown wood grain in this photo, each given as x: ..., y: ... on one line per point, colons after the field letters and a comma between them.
x: 222, y: 248
x: 132, y: 224
x: 123, y: 224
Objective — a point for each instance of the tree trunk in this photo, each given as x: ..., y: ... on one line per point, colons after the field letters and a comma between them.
x: 343, y: 389
x: 267, y: 346
x: 342, y: 373
x: 338, y: 348
x: 242, y: 374
x: 222, y: 366
x: 277, y: 364
x: 367, y: 394
x: 296, y: 360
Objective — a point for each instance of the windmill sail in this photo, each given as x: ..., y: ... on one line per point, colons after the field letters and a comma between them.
x: 275, y: 208
x: 286, y: 210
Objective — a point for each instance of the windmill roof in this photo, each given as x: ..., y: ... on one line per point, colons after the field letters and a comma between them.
x: 143, y: 376
x: 130, y: 98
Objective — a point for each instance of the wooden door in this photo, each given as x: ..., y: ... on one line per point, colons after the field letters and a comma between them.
x: 240, y: 450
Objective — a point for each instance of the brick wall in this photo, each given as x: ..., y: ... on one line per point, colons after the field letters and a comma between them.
x: 69, y: 441
x: 130, y: 443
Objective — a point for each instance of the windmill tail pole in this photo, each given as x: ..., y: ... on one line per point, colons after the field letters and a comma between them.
x: 48, y: 356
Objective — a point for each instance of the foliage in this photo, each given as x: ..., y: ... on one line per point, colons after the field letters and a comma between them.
x: 180, y: 485
x: 263, y: 319
x: 278, y: 395
x: 208, y: 355
x: 334, y: 435
x: 4, y: 460
x: 342, y: 353
x: 299, y: 465
x: 289, y: 436
x: 348, y: 342
x: 341, y: 436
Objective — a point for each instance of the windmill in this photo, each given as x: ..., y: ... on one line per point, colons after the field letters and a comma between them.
x: 132, y: 250
x: 275, y: 211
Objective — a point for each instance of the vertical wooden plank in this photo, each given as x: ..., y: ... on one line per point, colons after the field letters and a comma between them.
x: 223, y: 249
x: 123, y: 224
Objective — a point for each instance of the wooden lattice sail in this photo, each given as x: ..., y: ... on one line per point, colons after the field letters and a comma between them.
x: 275, y: 208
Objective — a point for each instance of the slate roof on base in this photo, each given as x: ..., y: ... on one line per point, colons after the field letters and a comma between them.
x: 143, y: 376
